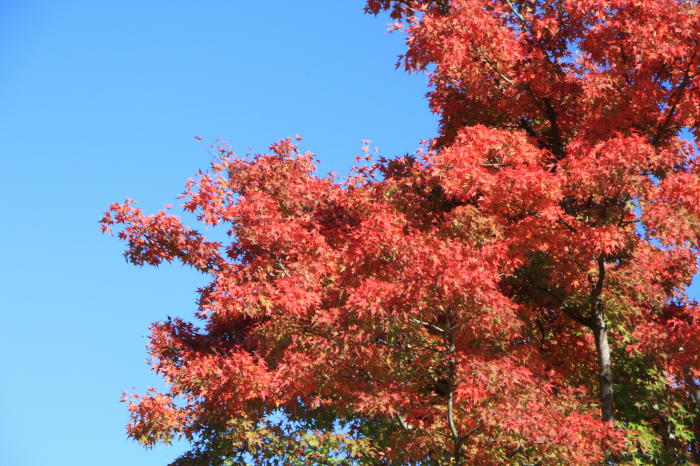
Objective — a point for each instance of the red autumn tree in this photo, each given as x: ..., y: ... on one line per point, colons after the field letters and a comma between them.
x: 515, y: 294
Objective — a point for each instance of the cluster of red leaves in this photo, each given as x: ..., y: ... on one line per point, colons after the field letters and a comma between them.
x: 355, y: 297
x: 448, y: 295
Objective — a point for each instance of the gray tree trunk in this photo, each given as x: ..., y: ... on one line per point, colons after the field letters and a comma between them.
x: 600, y: 331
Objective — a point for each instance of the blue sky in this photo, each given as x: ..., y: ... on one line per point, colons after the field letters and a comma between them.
x: 100, y: 101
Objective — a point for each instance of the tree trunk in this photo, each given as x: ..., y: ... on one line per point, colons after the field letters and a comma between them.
x: 458, y: 452
x: 452, y: 369
x: 694, y: 390
x: 600, y: 331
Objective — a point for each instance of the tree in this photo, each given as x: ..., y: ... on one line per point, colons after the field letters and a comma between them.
x: 468, y: 303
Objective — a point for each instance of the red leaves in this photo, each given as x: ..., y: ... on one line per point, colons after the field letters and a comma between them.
x: 156, y: 238
x: 673, y: 214
x: 448, y: 299
x: 155, y: 418
x: 341, y: 297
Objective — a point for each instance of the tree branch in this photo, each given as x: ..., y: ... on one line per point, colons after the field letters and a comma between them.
x: 598, y: 288
x: 516, y: 12
x: 428, y: 325
x: 672, y: 110
x: 403, y: 423
x: 557, y: 142
x: 585, y: 321
x: 493, y: 66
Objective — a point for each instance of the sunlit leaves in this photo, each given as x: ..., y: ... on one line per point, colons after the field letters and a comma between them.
x: 442, y: 306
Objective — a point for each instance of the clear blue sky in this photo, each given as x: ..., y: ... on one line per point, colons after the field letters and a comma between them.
x: 100, y: 100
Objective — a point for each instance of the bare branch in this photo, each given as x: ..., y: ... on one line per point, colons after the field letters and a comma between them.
x: 516, y: 12
x: 403, y: 423
x: 427, y: 324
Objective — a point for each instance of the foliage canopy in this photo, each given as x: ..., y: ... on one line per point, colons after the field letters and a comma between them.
x: 514, y: 293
